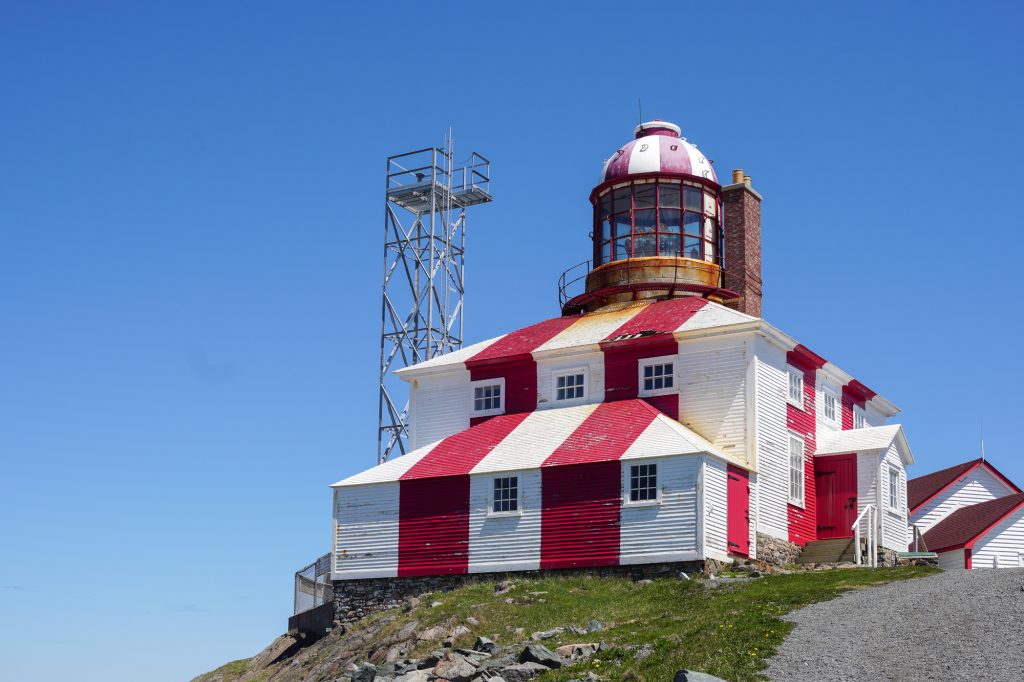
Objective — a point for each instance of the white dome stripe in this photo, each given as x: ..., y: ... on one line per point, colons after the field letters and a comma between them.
x: 646, y: 155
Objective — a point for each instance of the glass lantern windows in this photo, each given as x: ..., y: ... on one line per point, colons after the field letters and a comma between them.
x: 657, y: 219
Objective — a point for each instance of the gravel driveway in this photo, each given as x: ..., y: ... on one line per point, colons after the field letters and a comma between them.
x: 957, y: 625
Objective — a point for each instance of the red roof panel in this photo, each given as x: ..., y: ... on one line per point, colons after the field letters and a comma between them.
x: 967, y: 524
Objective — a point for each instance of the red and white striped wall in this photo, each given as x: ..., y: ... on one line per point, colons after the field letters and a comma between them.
x: 428, y: 512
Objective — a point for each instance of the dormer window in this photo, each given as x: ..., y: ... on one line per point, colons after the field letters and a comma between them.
x: 488, y: 397
x: 657, y: 376
x: 571, y: 385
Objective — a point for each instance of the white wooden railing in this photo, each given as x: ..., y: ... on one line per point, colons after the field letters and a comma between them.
x: 872, y: 540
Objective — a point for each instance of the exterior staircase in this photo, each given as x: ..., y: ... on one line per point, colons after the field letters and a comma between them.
x: 831, y: 551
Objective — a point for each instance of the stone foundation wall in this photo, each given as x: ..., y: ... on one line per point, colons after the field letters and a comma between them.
x: 776, y: 551
x: 355, y: 599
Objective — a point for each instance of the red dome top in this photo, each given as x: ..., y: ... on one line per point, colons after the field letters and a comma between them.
x: 658, y: 148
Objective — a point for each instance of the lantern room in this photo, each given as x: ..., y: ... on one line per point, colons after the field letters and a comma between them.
x: 657, y: 225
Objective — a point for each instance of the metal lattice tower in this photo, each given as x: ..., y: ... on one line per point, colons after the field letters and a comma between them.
x: 424, y: 259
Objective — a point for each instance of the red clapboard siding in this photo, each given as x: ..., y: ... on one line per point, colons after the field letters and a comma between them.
x: 622, y: 366
x: 854, y: 393
x: 520, y: 384
x: 580, y: 515
x: 433, y: 528
x: 803, y: 521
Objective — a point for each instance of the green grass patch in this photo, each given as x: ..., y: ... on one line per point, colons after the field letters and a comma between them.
x: 726, y: 631
x: 227, y: 672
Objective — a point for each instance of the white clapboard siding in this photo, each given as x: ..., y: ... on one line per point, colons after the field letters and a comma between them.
x: 894, y: 523
x: 366, y: 532
x: 439, y: 406
x: 952, y: 560
x: 873, y: 416
x: 592, y: 362
x: 1005, y: 543
x: 666, y: 531
x: 772, y: 441
x: 753, y: 515
x: 978, y: 485
x: 713, y: 380
x: 869, y: 464
x: 504, y: 542
x: 716, y: 509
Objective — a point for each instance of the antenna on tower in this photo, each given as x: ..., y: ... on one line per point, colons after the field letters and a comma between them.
x: 426, y: 197
x: 982, y: 439
x: 639, y: 111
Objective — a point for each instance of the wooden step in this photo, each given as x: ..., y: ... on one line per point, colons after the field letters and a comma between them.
x: 830, y: 551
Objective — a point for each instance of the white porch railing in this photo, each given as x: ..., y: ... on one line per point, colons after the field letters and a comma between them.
x: 872, y: 536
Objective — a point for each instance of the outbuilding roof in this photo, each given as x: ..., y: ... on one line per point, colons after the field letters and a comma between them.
x: 964, y: 526
x: 868, y: 439
x: 924, y: 488
x: 625, y: 429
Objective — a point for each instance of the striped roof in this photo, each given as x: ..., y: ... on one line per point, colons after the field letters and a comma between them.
x: 657, y: 149
x: 967, y: 524
x: 626, y: 429
x: 592, y: 329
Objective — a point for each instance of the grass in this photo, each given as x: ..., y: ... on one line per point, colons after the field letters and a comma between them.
x: 726, y: 631
x: 227, y: 672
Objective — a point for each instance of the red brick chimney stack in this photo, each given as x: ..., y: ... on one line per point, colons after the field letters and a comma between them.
x: 742, y: 229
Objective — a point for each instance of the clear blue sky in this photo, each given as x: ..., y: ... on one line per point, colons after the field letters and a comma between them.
x: 190, y: 245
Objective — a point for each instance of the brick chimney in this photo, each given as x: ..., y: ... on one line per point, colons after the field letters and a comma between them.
x: 742, y: 229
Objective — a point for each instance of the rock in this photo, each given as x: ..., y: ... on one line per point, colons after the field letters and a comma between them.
x: 459, y: 631
x: 577, y: 630
x: 431, y: 660
x: 645, y: 581
x: 503, y: 587
x: 576, y: 651
x: 435, y: 604
x: 485, y: 644
x: 693, y: 676
x: 455, y: 667
x: 744, y: 568
x: 414, y: 676
x: 395, y: 653
x: 510, y: 600
x: 364, y: 673
x: 407, y: 630
x: 546, y: 634
x: 518, y: 632
x: 521, y: 672
x: 538, y: 653
x: 407, y: 666
x: 756, y: 574
x: 595, y: 626
x: 412, y: 602
x: 432, y: 634
x: 473, y: 621
x: 644, y: 652
x: 683, y: 576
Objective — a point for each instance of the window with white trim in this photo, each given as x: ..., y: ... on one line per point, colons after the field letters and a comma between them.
x: 488, y: 397
x: 657, y: 376
x: 506, y: 495
x: 643, y: 483
x: 894, y: 488
x: 830, y: 407
x: 859, y: 420
x: 571, y: 385
x: 796, y: 469
x: 796, y: 388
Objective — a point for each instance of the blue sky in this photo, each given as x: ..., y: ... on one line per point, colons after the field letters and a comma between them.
x: 190, y: 244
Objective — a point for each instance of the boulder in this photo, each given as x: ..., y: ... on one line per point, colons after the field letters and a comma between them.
x: 546, y: 634
x: 521, y: 672
x: 455, y: 667
x: 364, y: 673
x: 472, y: 621
x: 503, y: 587
x: 595, y: 626
x: 644, y: 652
x: 459, y: 631
x: 431, y: 660
x: 414, y: 676
x: 538, y: 653
x: 432, y: 634
x: 576, y: 651
x: 485, y: 644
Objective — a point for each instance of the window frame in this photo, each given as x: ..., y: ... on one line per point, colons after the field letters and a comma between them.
x: 652, y: 362
x: 802, y: 500
x: 556, y: 375
x: 792, y: 371
x: 482, y: 383
x: 893, y: 489
x: 627, y: 484
x: 836, y: 407
x: 492, y: 497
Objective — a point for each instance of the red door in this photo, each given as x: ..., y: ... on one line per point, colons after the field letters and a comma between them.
x: 835, y: 481
x: 738, y: 503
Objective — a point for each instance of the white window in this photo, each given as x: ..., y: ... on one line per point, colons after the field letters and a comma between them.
x: 571, y: 385
x: 859, y: 420
x: 796, y: 388
x: 796, y: 469
x: 830, y: 407
x: 488, y: 397
x: 657, y: 376
x: 506, y: 495
x: 643, y: 483
x: 894, y: 489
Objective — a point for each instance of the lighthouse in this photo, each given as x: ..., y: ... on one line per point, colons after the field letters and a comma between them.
x: 663, y: 228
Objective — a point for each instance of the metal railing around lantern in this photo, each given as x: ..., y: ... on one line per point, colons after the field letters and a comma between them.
x: 573, y: 282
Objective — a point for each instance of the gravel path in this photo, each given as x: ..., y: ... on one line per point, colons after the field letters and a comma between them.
x: 957, y: 625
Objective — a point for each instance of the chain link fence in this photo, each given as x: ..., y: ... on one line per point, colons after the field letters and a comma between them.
x: 313, y: 585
